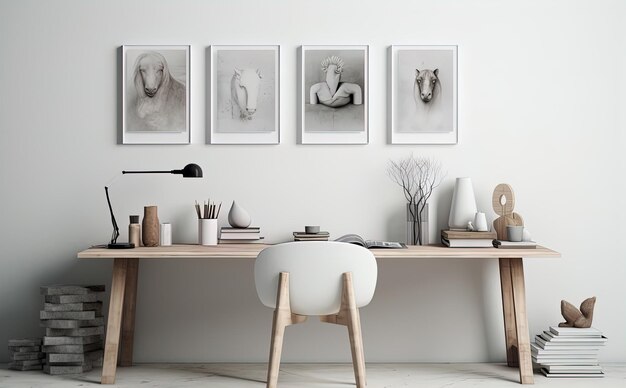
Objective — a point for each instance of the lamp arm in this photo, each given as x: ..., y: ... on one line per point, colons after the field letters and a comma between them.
x: 150, y: 172
x: 116, y: 229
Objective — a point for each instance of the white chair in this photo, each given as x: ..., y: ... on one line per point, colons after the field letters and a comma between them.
x: 326, y: 279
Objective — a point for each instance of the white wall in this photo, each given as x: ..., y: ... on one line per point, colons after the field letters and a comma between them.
x: 541, y: 106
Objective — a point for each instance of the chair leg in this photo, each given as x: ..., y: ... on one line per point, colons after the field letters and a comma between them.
x: 350, y: 313
x: 282, y: 318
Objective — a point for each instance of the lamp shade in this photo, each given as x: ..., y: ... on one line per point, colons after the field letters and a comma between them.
x: 192, y: 170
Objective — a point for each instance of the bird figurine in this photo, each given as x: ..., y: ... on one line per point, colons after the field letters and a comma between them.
x: 578, y: 318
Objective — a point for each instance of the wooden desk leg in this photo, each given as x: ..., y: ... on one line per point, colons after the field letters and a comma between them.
x: 128, y: 313
x: 510, y: 332
x: 521, y: 322
x: 111, y: 347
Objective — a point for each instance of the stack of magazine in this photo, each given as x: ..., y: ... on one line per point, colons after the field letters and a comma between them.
x: 568, y: 352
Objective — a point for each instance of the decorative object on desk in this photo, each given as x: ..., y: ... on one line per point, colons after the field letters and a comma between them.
x: 463, y: 208
x: 150, y: 235
x: 311, y: 229
x: 503, y: 202
x: 26, y: 354
x: 155, y: 95
x: 165, y: 235
x: 358, y: 240
x: 467, y: 239
x: 238, y: 217
x: 470, y: 227
x: 578, y: 318
x: 480, y: 222
x: 319, y: 236
x: 334, y: 100
x: 568, y: 352
x: 244, y: 103
x: 189, y: 171
x: 72, y: 316
x: 423, y: 95
x: 134, y: 231
x: 418, y: 177
x: 526, y: 236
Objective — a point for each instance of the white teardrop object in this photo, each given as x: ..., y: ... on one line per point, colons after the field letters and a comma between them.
x: 238, y: 217
x: 526, y: 236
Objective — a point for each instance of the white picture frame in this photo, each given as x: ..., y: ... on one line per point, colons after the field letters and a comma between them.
x: 237, y: 72
x: 156, y: 105
x: 423, y: 103
x: 334, y: 105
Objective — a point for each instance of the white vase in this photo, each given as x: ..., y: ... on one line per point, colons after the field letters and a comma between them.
x: 463, y: 206
x: 238, y: 217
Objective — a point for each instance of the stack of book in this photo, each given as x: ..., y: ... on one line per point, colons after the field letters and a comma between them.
x: 466, y: 239
x: 230, y: 235
x: 568, y: 352
x: 303, y: 236
x: 25, y: 354
x: 72, y: 316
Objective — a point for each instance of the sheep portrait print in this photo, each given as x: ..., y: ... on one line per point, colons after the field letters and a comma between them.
x: 244, y: 102
x: 155, y: 93
x: 334, y: 83
x: 423, y: 95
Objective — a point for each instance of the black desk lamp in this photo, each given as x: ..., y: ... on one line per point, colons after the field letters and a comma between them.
x: 189, y: 171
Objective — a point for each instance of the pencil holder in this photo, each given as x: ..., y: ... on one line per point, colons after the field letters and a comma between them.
x: 207, y: 231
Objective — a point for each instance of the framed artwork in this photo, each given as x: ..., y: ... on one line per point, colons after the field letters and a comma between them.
x: 155, y: 94
x: 244, y: 103
x: 334, y: 95
x: 423, y: 103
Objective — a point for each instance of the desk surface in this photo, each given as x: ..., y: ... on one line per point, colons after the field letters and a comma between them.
x: 250, y: 251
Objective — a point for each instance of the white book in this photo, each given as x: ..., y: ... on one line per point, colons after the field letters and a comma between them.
x: 575, y: 332
x: 467, y: 243
x: 546, y: 338
x: 582, y: 362
x: 573, y: 369
x: 548, y: 374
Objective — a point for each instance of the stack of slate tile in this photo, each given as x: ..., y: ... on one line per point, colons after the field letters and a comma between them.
x: 72, y: 316
x: 25, y: 354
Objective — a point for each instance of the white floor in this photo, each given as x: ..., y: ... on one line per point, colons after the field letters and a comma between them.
x: 308, y: 375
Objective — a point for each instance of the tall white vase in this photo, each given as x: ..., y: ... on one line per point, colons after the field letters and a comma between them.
x: 463, y: 206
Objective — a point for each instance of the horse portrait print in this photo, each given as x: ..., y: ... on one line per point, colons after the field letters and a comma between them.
x: 334, y: 87
x: 244, y: 94
x: 156, y: 95
x: 423, y: 94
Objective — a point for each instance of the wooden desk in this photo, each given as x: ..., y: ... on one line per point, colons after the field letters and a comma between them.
x: 126, y: 264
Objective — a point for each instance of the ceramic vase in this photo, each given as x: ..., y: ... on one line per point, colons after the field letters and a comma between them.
x: 238, y: 217
x: 463, y: 206
x: 150, y: 227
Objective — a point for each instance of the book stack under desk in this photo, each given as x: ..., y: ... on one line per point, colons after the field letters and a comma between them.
x: 568, y: 352
x: 467, y: 239
x: 230, y: 235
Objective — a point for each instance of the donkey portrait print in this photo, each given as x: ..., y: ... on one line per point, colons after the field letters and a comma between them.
x: 423, y: 93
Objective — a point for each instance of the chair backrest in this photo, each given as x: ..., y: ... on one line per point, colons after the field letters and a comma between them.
x: 315, y: 275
